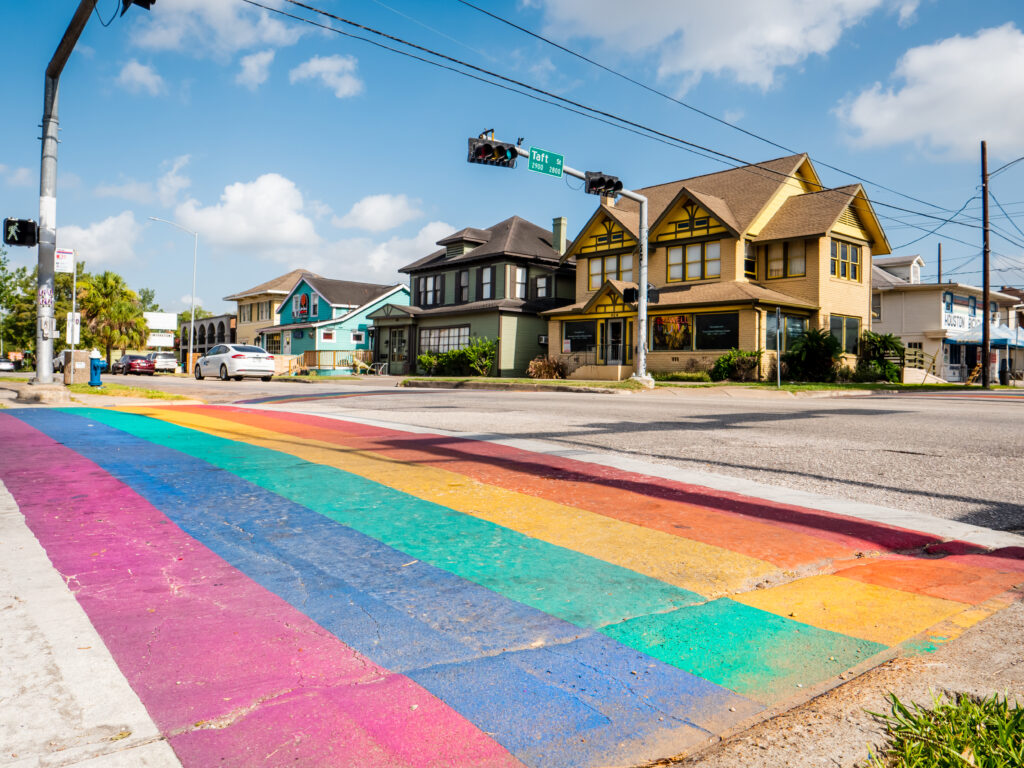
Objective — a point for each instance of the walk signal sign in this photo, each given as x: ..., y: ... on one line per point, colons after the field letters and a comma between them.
x: 20, y: 232
x: 599, y: 183
x: 490, y: 152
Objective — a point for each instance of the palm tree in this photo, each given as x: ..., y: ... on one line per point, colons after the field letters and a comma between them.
x: 112, y: 312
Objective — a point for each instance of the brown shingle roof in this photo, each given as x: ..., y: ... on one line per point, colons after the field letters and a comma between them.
x: 281, y: 284
x: 347, y: 293
x: 512, y: 237
x: 812, y: 213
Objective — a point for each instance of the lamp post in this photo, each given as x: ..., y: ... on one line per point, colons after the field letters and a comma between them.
x: 195, y: 253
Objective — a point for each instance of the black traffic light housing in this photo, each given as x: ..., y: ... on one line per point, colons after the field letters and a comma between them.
x: 126, y: 4
x: 20, y: 232
x: 599, y: 183
x: 490, y: 152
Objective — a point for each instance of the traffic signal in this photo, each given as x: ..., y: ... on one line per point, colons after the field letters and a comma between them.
x: 126, y: 4
x: 20, y: 232
x: 490, y: 152
x: 598, y: 183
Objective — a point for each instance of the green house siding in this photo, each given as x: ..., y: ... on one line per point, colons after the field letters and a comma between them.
x: 519, y: 343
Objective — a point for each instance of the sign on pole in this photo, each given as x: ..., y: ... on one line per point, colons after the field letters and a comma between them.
x: 64, y: 260
x: 543, y: 161
x: 74, y: 328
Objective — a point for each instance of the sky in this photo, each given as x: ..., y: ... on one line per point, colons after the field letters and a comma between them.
x: 287, y: 145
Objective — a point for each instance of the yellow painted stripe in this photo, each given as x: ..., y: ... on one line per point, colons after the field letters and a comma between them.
x: 868, y: 611
x: 702, y: 568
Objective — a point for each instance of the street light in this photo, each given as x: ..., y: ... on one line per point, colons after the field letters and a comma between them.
x: 195, y: 253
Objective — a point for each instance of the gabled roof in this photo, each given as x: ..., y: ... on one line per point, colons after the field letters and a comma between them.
x: 898, y: 261
x: 813, y: 213
x: 883, y: 281
x: 280, y: 285
x: 341, y: 293
x: 514, y: 236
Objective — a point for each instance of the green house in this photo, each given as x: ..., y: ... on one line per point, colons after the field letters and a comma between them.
x: 482, y: 283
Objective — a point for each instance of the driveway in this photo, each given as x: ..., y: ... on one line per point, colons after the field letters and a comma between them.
x: 281, y: 588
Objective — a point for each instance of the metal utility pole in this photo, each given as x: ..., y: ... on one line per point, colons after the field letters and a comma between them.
x: 985, y: 299
x: 641, y: 307
x: 45, y: 325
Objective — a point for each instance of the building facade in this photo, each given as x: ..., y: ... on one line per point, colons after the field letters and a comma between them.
x: 210, y: 331
x: 257, y: 307
x: 319, y: 315
x: 731, y: 257
x: 482, y: 283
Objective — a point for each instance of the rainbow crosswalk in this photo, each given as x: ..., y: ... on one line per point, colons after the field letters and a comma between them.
x: 281, y: 588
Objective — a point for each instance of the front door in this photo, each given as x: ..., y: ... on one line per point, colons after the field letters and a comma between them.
x: 614, y: 347
x: 397, y: 353
x: 286, y: 342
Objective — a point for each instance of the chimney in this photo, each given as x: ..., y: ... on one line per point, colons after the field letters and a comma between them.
x: 558, y: 227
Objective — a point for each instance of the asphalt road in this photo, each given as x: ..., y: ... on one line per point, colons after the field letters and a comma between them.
x: 952, y: 457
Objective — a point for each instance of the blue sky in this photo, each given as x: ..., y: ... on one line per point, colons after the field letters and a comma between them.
x: 286, y: 145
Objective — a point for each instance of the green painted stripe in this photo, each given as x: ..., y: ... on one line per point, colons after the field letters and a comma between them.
x: 572, y: 586
x: 745, y: 649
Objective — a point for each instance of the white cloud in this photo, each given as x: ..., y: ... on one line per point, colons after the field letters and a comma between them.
x: 171, y: 183
x: 938, y: 104
x: 319, y: 209
x: 17, y: 177
x: 139, y: 78
x: 364, y: 259
x: 378, y: 213
x: 261, y: 217
x: 210, y: 27
x: 255, y: 69
x: 186, y: 302
x: 745, y: 39
x: 111, y: 241
x: 336, y: 72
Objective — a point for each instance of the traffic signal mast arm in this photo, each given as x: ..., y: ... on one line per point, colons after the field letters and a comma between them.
x: 641, y: 308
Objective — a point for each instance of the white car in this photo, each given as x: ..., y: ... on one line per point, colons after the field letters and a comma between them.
x: 233, y: 361
x: 163, y: 361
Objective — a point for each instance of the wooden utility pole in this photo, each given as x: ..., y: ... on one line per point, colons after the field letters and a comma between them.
x: 939, y: 280
x: 985, y: 340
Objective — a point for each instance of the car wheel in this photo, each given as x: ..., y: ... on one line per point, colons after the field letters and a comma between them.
x: 151, y: 373
x: 224, y: 373
x: 238, y: 378
x: 265, y: 378
x: 199, y: 374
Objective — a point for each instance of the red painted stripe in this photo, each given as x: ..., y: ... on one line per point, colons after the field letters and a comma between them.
x: 232, y: 674
x: 785, y: 535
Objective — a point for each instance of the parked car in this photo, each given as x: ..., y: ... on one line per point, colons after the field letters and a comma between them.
x: 6, y: 364
x: 233, y: 361
x: 137, y: 364
x: 164, y: 361
x: 58, y: 361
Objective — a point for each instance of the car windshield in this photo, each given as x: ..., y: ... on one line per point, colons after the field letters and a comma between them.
x: 162, y: 355
x: 135, y: 357
x: 249, y: 349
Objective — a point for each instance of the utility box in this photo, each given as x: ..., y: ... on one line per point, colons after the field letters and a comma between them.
x: 79, y: 364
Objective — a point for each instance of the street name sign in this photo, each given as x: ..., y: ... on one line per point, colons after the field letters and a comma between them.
x: 543, y: 161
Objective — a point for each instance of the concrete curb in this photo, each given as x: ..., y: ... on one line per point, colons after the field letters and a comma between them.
x: 509, y: 386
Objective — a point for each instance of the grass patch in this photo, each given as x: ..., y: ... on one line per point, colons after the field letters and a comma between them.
x: 314, y: 377
x: 691, y: 376
x: 120, y: 390
x: 964, y: 731
x: 627, y: 384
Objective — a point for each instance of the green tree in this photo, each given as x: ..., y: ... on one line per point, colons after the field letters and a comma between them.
x: 147, y: 300
x: 112, y: 313
x: 185, y: 316
x: 18, y: 289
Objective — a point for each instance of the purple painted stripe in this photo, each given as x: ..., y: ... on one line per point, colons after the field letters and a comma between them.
x: 232, y: 674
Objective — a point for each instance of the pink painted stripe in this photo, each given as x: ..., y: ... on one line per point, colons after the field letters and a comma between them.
x: 232, y: 674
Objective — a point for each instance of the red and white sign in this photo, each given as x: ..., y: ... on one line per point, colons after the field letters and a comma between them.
x: 64, y: 260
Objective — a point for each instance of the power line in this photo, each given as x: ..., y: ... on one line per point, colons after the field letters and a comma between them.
x: 940, y: 226
x: 591, y: 112
x: 686, y: 105
x: 1000, y: 206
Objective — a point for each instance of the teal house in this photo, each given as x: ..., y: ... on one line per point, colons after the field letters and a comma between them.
x: 323, y: 323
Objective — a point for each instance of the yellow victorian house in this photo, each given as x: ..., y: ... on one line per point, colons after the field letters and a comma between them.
x: 730, y: 255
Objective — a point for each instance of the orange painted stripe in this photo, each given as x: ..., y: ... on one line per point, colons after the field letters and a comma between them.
x: 935, y: 578
x: 773, y: 542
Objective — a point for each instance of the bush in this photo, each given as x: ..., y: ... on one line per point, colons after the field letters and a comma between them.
x: 877, y: 351
x: 682, y: 376
x: 477, y: 359
x: 546, y: 367
x: 737, y: 365
x: 875, y: 370
x: 814, y: 355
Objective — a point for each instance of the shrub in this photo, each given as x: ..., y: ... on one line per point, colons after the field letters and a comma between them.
x: 737, y: 365
x: 546, y: 367
x: 427, y: 363
x: 877, y: 351
x: 875, y: 370
x: 477, y: 359
x: 682, y: 376
x: 814, y: 355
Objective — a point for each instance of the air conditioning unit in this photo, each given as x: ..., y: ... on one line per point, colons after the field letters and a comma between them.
x: 542, y: 339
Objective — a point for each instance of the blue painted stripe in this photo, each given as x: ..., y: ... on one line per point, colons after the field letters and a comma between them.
x: 579, y: 698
